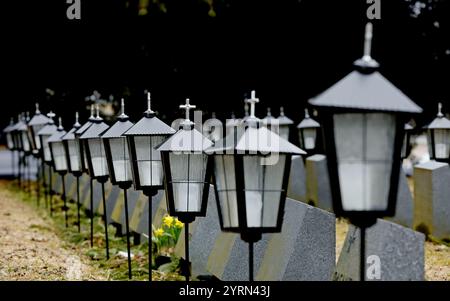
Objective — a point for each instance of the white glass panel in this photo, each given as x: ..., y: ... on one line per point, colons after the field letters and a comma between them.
x: 9, y: 141
x: 273, y: 182
x: 59, y: 156
x: 188, y: 176
x: 98, y: 157
x: 226, y: 187
x: 120, y: 157
x: 36, y: 129
x: 149, y: 160
x: 284, y: 132
x: 253, y: 178
x: 74, y: 155
x: 25, y: 141
x: 442, y: 143
x: 309, y: 138
x: 364, y: 149
x: 47, y: 154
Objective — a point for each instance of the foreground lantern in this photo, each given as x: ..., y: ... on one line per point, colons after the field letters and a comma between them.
x: 73, y: 159
x: 46, y: 156
x: 58, y: 154
x: 308, y: 130
x: 439, y: 138
x: 187, y: 170
x: 284, y: 124
x: 363, y: 118
x: 250, y: 179
x: 146, y: 165
x: 97, y: 165
x: 119, y: 164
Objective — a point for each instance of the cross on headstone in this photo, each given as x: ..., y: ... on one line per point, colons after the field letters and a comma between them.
x: 252, y: 101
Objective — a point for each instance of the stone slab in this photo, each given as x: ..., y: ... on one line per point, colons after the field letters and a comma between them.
x: 297, y: 180
x: 318, y: 190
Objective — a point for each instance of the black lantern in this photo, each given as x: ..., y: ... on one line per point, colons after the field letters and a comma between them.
x: 59, y: 160
x: 17, y: 140
x: 46, y: 156
x: 25, y: 143
x: 187, y: 171
x: 271, y: 122
x: 146, y: 165
x: 250, y: 179
x: 96, y: 159
x: 407, y: 144
x: 232, y: 125
x: 74, y: 161
x: 37, y: 122
x: 83, y: 164
x: 8, y: 131
x: 308, y: 130
x: 438, y: 137
x: 284, y: 124
x: 363, y: 118
x: 119, y: 164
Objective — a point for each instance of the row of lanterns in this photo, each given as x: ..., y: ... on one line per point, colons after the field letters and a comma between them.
x: 362, y: 120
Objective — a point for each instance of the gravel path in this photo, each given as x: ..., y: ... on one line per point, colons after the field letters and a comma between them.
x: 30, y: 249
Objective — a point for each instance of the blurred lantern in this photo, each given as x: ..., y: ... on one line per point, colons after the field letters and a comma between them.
x: 187, y: 170
x: 251, y: 175
x: 270, y: 122
x: 284, y: 124
x: 25, y: 143
x: 308, y: 130
x: 58, y: 155
x: 439, y: 137
x: 119, y: 164
x: 363, y: 118
x: 97, y: 165
x: 8, y: 132
x: 213, y: 128
x: 73, y: 159
x: 146, y: 165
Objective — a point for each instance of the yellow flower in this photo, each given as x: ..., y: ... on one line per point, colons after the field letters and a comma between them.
x: 168, y: 221
x: 159, y: 232
x: 178, y: 224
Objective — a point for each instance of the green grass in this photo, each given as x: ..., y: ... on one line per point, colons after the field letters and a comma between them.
x: 116, y: 268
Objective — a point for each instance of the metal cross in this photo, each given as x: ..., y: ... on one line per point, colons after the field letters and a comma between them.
x: 187, y: 107
x: 252, y: 101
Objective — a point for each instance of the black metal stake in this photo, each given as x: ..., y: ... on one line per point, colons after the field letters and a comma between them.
x: 38, y: 185
x: 186, y: 249
x: 65, y: 209
x: 106, y: 220
x: 150, y: 232
x: 250, y: 261
x: 127, y: 226
x: 51, y: 191
x: 78, y: 204
x: 12, y: 164
x: 19, y: 170
x: 91, y: 208
x: 44, y: 183
x: 362, y: 267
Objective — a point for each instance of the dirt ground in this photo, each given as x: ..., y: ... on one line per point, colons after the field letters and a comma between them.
x: 437, y: 256
x: 30, y: 249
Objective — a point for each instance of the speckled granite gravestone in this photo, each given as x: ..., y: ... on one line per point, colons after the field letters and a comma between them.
x: 318, y: 191
x: 118, y: 213
x: 305, y: 250
x: 432, y: 199
x: 404, y: 210
x: 400, y: 251
x: 297, y: 180
x: 139, y: 216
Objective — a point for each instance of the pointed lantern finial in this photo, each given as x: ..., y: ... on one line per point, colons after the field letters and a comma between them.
x: 60, y: 127
x: 281, y: 111
x: 440, y: 115
x: 37, y: 112
x: 367, y: 63
x: 122, y: 116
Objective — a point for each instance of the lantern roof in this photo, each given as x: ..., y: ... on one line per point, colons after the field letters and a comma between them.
x: 97, y: 128
x: 88, y: 123
x: 38, y: 118
x: 70, y: 135
x: 50, y: 128
x: 440, y: 122
x: 57, y: 136
x: 10, y: 127
x: 21, y: 125
x: 366, y: 89
x: 149, y: 125
x: 308, y: 122
x: 269, y: 119
x: 186, y: 140
x: 408, y: 127
x: 118, y: 129
x: 283, y: 119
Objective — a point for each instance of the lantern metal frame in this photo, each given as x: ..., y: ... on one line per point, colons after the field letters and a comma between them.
x: 116, y: 131
x: 284, y: 122
x: 406, y: 146
x: 56, y: 139
x: 148, y: 126
x: 439, y: 123
x: 95, y: 131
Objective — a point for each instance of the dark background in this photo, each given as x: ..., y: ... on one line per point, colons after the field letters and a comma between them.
x: 288, y: 51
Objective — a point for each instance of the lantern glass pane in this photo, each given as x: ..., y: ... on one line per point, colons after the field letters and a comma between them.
x: 263, y: 177
x: 120, y: 157
x: 188, y: 178
x: 74, y: 157
x: 284, y: 131
x: 59, y: 156
x: 441, y: 143
x: 225, y: 176
x: 308, y: 138
x: 149, y: 160
x: 46, y: 148
x: 364, y: 150
x: 98, y: 157
x: 36, y: 129
x: 25, y: 141
x: 9, y: 141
